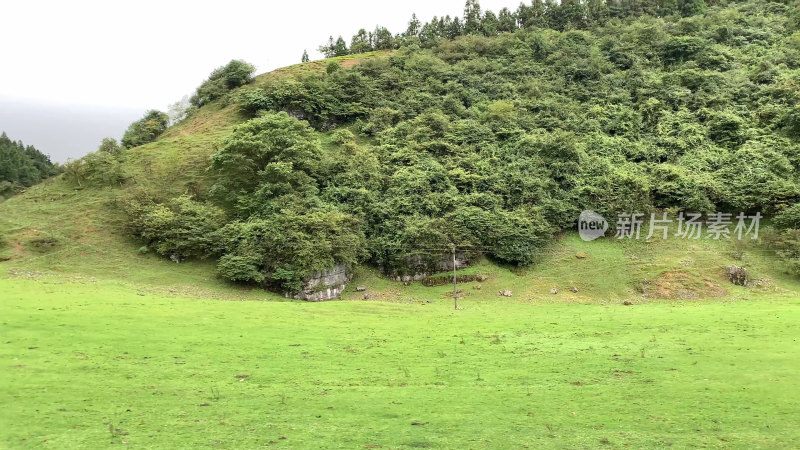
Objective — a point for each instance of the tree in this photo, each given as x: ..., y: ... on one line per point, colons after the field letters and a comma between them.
x: 329, y: 49
x: 596, y: 12
x: 265, y: 158
x: 266, y: 173
x: 145, y: 130
x: 472, y: 17
x: 414, y: 26
x: 490, y: 25
x: 222, y: 80
x: 452, y: 27
x: 340, y: 48
x: 507, y: 21
x: 382, y: 39
x: 794, y: 16
x: 109, y: 145
x: 22, y: 166
x: 360, y: 42
x: 573, y: 14
x: 692, y: 7
x: 305, y: 56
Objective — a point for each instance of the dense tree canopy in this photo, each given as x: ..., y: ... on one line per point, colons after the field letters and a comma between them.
x: 493, y: 131
x: 21, y: 166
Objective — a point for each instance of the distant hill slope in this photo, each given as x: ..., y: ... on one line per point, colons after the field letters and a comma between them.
x: 21, y: 166
x: 495, y: 144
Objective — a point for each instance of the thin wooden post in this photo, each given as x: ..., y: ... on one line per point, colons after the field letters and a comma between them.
x: 455, y: 280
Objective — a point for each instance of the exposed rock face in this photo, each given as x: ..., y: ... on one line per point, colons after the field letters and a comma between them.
x: 738, y: 275
x: 323, y: 286
x: 420, y: 267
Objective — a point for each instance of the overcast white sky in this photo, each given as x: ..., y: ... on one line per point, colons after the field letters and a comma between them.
x: 95, y: 66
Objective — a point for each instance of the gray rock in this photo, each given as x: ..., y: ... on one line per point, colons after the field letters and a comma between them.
x: 738, y: 275
x: 325, y: 285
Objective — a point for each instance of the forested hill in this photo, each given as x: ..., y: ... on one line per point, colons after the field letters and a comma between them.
x: 21, y: 166
x: 494, y: 140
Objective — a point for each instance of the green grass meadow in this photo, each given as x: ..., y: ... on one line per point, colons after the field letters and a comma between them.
x: 89, y: 364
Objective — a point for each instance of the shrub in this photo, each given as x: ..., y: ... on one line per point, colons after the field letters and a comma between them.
x: 343, y: 136
x: 109, y: 145
x: 222, y: 80
x: 283, y: 249
x: 240, y: 268
x: 179, y: 228
x: 99, y: 168
x: 788, y: 218
x: 145, y: 130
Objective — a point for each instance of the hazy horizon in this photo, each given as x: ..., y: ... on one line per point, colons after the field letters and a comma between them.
x: 63, y: 131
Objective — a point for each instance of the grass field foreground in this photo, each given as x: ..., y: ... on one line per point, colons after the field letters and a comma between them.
x: 90, y: 364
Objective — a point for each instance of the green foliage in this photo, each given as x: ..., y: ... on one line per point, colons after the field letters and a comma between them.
x: 263, y: 159
x: 99, y: 168
x: 21, y: 166
x: 343, y: 136
x: 145, y: 130
x: 493, y: 133
x: 521, y: 132
x: 222, y: 80
x: 109, y: 145
x: 692, y: 7
x: 788, y: 218
x: 334, y: 48
x: 786, y: 243
x: 283, y: 249
x: 179, y: 228
x: 268, y: 173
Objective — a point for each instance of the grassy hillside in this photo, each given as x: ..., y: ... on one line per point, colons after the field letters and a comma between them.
x: 57, y: 230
